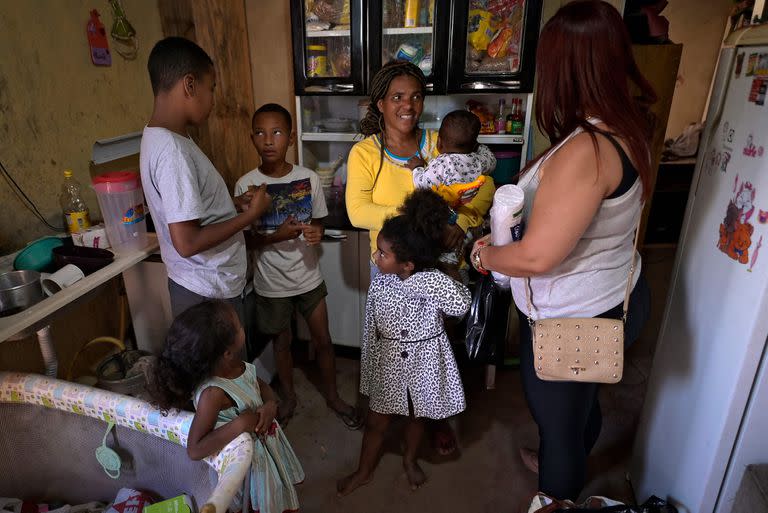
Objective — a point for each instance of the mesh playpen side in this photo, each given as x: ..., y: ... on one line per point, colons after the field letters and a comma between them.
x: 51, y: 430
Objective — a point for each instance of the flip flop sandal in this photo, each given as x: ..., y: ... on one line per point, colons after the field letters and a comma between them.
x: 444, y: 443
x: 349, y: 418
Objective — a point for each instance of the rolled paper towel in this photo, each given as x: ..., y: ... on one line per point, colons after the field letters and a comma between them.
x: 506, y: 221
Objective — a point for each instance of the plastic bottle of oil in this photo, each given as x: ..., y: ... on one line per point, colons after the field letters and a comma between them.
x: 75, y: 210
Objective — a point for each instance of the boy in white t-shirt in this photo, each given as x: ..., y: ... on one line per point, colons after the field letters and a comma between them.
x: 198, y: 228
x: 287, y: 272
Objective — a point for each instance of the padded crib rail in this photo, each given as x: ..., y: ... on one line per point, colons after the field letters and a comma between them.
x: 231, y: 464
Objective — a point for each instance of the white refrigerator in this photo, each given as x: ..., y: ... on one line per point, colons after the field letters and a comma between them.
x: 705, y: 416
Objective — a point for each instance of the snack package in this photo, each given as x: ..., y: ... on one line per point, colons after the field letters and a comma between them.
x: 130, y: 501
x: 500, y: 42
x: 502, y: 8
x: 480, y: 29
x: 484, y: 115
x: 332, y: 11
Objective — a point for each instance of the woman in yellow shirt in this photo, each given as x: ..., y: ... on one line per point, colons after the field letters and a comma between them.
x: 378, y: 179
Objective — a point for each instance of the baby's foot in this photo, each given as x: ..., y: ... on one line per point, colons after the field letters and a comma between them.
x: 416, y: 476
x: 351, y: 483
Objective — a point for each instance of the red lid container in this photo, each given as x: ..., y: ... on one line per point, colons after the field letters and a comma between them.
x: 117, y: 181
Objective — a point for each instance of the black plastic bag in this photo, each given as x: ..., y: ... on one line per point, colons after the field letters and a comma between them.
x: 487, y: 320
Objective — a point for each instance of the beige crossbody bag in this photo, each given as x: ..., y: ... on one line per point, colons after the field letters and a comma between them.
x: 588, y: 349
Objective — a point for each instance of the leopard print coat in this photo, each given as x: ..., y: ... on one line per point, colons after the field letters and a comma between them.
x: 405, y: 350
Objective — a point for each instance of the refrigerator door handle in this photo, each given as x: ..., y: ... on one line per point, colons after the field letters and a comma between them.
x: 718, y: 92
x: 490, y: 85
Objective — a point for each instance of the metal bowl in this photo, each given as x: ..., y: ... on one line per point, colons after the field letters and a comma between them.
x: 18, y: 291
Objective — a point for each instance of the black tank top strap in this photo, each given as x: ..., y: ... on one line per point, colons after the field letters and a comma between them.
x: 629, y: 173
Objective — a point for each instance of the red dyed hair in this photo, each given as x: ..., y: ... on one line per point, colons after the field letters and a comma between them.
x: 584, y: 65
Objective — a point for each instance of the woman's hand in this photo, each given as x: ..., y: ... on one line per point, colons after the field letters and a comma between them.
x: 453, y: 236
x: 474, y: 259
x: 267, y: 413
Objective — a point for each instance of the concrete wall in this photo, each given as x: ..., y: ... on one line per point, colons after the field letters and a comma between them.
x: 54, y: 103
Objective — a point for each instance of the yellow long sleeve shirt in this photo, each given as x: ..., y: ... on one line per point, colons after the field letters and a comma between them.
x: 369, y: 206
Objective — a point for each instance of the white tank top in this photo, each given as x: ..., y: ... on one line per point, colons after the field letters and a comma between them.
x: 593, y: 277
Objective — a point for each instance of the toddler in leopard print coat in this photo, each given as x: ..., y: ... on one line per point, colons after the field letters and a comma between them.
x: 407, y: 366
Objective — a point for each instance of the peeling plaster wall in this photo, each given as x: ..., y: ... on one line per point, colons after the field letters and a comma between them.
x: 54, y: 103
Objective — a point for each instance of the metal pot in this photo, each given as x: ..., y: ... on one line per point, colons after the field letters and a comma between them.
x: 19, y: 290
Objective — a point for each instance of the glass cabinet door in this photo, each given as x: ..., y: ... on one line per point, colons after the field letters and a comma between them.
x: 411, y: 30
x: 327, y: 38
x: 494, y: 45
x: 407, y: 32
x: 494, y: 38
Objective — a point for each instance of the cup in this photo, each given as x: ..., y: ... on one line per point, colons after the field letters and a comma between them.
x: 61, y: 279
x: 506, y: 221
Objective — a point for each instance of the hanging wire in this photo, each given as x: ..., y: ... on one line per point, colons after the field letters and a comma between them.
x: 25, y: 199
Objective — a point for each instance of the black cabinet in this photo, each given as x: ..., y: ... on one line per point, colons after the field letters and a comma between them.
x: 425, y: 43
x: 670, y: 199
x: 463, y: 46
x: 328, y: 47
x: 494, y: 50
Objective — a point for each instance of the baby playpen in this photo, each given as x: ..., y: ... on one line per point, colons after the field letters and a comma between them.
x: 52, y: 430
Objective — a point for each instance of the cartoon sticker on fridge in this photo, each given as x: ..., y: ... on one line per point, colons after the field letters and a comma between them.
x: 736, y: 230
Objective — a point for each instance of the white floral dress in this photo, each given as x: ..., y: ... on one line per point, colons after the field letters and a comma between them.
x: 405, y: 350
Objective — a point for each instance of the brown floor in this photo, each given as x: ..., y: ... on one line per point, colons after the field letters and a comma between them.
x: 487, y: 475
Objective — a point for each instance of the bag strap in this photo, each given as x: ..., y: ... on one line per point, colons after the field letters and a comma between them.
x: 628, y: 290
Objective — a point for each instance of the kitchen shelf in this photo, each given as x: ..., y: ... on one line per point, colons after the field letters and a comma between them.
x: 329, y: 33
x: 500, y: 139
x: 352, y: 137
x: 331, y: 136
x: 680, y: 162
x: 406, y: 31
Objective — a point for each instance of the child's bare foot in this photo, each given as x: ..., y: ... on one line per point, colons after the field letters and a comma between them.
x: 416, y: 476
x: 285, y: 410
x: 351, y: 483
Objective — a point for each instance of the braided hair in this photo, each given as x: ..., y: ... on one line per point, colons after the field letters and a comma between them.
x: 195, y: 343
x: 373, y: 122
x: 416, y: 234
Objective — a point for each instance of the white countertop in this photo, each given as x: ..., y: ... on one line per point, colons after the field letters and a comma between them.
x: 37, y: 314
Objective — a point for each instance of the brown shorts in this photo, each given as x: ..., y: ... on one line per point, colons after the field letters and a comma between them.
x: 273, y: 314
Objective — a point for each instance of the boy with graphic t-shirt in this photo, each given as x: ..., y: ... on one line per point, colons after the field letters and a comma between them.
x: 287, y: 272
x: 198, y: 228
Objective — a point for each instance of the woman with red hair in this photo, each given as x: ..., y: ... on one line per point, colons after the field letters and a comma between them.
x: 584, y: 196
